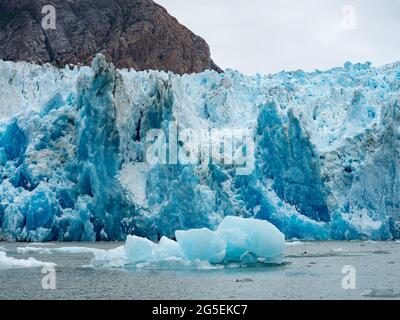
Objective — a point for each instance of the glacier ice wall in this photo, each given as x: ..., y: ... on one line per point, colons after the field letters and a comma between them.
x: 73, y: 144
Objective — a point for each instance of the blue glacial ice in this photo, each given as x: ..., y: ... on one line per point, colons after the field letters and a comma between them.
x: 255, y: 240
x: 250, y: 237
x: 259, y: 242
x: 202, y: 244
x: 73, y: 146
x: 237, y: 241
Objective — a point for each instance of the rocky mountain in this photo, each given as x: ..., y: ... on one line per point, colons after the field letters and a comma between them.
x: 137, y: 34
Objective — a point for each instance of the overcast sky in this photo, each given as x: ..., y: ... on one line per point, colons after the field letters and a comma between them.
x: 268, y: 36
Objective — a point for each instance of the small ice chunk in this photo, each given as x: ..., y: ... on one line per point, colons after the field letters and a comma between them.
x: 167, y: 248
x: 10, y: 262
x: 249, y: 258
x: 68, y: 250
x: 76, y: 250
x: 117, y: 253
x: 29, y: 249
x: 114, y: 258
x: 294, y: 243
x: 236, y: 243
x: 139, y: 249
x: 202, y: 244
x: 254, y: 236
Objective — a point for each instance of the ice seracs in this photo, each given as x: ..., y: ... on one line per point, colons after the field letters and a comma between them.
x: 73, y: 153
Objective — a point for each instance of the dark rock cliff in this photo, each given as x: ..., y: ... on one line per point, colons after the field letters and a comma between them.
x: 137, y: 34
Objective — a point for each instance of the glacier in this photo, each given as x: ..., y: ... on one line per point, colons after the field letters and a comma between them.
x: 73, y: 147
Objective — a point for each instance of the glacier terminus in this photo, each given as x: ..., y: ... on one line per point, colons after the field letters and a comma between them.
x: 73, y: 143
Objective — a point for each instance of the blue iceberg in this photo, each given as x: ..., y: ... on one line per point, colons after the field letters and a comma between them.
x: 250, y: 237
x: 260, y: 242
x: 202, y: 244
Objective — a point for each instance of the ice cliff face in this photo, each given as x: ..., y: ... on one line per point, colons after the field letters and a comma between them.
x: 73, y: 147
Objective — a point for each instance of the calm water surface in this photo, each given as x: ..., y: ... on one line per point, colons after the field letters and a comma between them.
x: 312, y: 270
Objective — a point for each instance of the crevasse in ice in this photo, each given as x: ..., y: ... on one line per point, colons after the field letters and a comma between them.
x: 73, y: 152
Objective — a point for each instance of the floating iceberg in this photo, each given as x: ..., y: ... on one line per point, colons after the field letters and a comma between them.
x: 202, y: 244
x: 259, y: 241
x: 235, y: 240
x: 250, y: 236
x: 168, y: 248
x: 139, y: 249
x: 324, y: 161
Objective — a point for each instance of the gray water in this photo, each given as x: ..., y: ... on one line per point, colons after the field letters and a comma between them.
x: 310, y: 271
